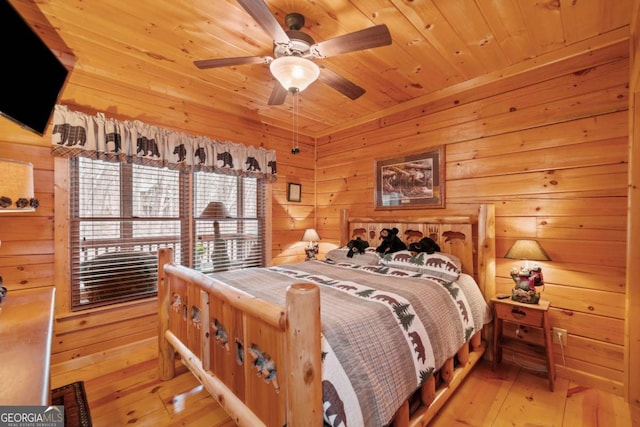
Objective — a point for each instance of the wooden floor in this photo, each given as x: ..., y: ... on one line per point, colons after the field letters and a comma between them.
x: 123, y: 390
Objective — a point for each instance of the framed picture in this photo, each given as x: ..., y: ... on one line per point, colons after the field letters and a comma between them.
x: 294, y: 192
x: 411, y: 182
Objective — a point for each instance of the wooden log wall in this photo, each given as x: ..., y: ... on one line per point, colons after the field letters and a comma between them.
x: 550, y: 150
x: 632, y: 343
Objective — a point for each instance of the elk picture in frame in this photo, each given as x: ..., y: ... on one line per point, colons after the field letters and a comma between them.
x: 294, y: 192
x: 414, y: 181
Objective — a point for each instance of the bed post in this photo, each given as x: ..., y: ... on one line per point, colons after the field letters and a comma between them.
x: 487, y: 263
x: 487, y: 250
x: 344, y: 227
x: 166, y: 359
x: 304, y: 373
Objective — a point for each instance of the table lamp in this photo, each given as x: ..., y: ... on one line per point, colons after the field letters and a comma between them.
x: 527, y: 249
x: 217, y: 211
x: 311, y: 235
x: 526, y: 278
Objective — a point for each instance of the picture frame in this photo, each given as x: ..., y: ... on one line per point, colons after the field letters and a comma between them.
x: 294, y: 192
x: 415, y: 181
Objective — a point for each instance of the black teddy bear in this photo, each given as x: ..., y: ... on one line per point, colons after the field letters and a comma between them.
x: 390, y: 241
x: 357, y: 246
x: 425, y: 244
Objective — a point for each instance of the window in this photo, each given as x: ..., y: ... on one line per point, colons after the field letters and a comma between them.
x: 229, y: 222
x: 122, y: 213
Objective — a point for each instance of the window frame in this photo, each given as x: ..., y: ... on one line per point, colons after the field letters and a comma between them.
x: 187, y: 220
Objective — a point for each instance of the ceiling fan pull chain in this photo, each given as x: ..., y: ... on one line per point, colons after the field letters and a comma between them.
x: 295, y: 149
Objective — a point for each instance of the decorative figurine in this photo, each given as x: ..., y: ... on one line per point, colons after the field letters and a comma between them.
x: 311, y: 251
x: 526, y: 279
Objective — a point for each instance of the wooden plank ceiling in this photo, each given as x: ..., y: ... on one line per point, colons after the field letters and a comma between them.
x: 150, y: 45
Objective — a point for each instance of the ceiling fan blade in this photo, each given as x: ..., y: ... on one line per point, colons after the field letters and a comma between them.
x: 278, y: 95
x: 228, y: 62
x: 341, y: 84
x: 364, y: 39
x: 262, y: 15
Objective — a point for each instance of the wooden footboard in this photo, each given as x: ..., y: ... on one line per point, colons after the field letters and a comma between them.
x: 246, y: 352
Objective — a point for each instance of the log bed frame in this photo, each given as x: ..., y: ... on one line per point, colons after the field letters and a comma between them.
x: 292, y: 333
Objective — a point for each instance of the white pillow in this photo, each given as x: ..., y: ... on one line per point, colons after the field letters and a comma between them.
x: 437, y: 264
x: 370, y: 257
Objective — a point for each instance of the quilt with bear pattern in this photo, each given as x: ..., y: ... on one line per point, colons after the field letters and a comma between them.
x: 385, y: 330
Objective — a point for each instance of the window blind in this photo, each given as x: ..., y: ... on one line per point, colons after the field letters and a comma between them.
x: 229, y: 219
x: 121, y: 213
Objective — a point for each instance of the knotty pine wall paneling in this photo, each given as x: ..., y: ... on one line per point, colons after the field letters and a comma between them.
x: 552, y: 155
x: 632, y: 336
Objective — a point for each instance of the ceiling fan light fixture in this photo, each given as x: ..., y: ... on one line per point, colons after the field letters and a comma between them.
x: 294, y: 73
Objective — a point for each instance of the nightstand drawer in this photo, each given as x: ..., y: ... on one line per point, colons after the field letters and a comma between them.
x: 518, y: 314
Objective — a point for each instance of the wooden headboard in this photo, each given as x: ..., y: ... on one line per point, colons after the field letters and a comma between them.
x: 470, y: 238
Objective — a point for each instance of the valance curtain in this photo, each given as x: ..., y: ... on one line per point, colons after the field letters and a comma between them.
x: 78, y: 134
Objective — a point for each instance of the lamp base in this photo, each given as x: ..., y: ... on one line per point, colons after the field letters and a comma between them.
x: 526, y: 297
x: 311, y: 253
x: 526, y: 280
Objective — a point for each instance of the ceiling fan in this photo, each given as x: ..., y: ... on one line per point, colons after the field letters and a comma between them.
x: 293, y: 45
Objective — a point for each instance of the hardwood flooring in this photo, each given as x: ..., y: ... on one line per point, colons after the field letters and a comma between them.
x: 123, y: 390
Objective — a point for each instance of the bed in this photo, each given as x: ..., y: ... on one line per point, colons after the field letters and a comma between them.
x: 340, y: 341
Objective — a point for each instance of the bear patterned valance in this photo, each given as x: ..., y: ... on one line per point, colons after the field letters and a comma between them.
x: 77, y: 134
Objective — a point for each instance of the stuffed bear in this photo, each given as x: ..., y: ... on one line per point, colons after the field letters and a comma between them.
x: 426, y: 244
x: 390, y: 241
x: 357, y: 246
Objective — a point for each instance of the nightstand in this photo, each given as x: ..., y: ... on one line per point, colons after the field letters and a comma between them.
x: 531, y: 316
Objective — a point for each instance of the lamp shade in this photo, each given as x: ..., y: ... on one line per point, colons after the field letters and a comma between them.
x: 215, y: 210
x: 16, y: 186
x: 530, y: 250
x: 310, y: 235
x: 294, y: 72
